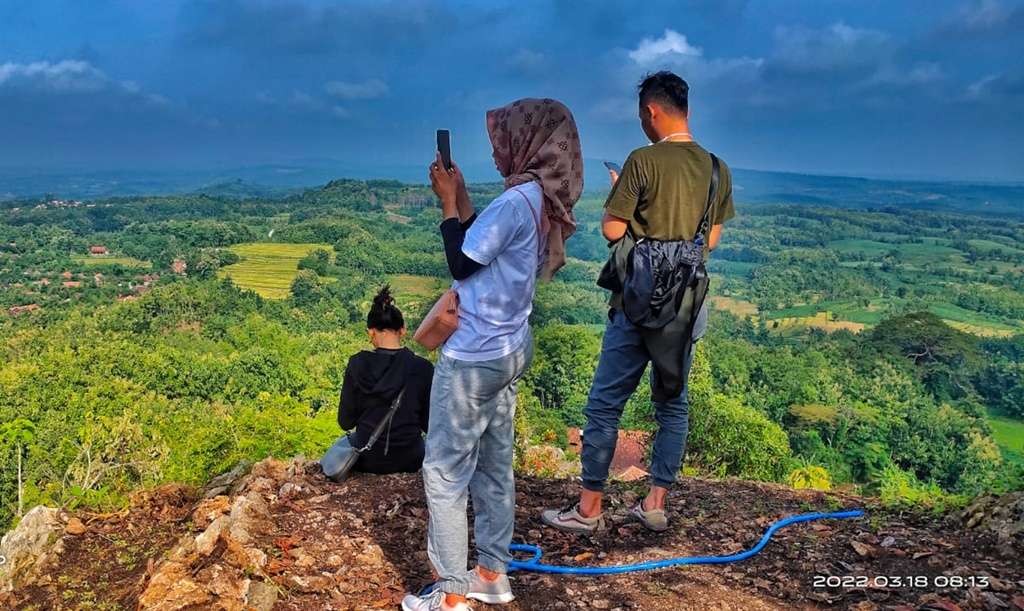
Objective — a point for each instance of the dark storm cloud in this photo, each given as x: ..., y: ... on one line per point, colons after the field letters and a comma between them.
x: 844, y: 86
x: 302, y: 28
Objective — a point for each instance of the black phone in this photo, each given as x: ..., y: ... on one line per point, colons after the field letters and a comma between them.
x: 444, y: 146
x: 614, y: 167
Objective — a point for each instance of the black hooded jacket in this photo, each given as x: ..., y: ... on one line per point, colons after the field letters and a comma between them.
x: 372, y: 381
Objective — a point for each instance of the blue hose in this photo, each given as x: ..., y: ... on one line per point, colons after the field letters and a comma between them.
x: 535, y: 565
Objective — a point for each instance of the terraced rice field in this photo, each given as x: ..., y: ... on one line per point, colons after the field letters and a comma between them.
x: 268, y: 268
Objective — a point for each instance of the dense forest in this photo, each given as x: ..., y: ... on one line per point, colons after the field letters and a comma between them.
x: 154, y: 339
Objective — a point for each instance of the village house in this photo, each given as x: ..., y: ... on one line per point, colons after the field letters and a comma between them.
x: 71, y: 284
x: 178, y: 266
x: 66, y: 275
x: 98, y: 251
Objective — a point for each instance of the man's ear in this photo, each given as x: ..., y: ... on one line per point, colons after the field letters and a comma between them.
x: 401, y: 332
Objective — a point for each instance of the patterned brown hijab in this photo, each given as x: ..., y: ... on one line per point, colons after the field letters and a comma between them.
x: 536, y: 139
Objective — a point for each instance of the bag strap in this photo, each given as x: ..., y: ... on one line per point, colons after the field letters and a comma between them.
x: 536, y: 220
x: 383, y: 422
x: 705, y: 221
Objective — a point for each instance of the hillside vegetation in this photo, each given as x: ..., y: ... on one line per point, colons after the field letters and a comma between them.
x: 853, y: 348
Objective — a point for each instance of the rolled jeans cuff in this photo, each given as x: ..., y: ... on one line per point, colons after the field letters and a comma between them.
x: 460, y: 588
x: 493, y: 565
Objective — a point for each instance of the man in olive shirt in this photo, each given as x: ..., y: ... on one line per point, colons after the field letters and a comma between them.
x: 661, y: 194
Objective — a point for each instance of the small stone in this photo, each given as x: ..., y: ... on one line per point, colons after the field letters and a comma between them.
x: 601, y: 604
x: 261, y: 596
x: 75, y: 527
x: 289, y: 491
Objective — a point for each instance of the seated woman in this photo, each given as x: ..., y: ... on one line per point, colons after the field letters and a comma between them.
x: 373, y: 379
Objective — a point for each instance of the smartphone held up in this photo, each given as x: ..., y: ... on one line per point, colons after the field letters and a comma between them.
x: 444, y: 147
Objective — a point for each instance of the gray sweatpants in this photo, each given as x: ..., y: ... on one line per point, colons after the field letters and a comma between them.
x: 469, y: 450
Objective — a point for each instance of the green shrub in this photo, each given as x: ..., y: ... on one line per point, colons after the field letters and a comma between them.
x: 810, y: 477
x: 729, y: 438
x: 899, y: 488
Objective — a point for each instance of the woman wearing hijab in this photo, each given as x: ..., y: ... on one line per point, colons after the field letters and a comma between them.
x: 494, y: 259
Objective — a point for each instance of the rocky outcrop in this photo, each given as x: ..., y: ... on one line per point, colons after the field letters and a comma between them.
x: 1001, y: 515
x: 279, y: 536
x: 214, y: 569
x: 31, y: 547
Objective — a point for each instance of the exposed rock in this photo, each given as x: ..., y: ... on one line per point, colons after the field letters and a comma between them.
x: 209, y: 509
x: 172, y: 588
x: 225, y: 482
x: 29, y: 548
x: 261, y: 596
x: 1002, y: 515
x: 75, y: 527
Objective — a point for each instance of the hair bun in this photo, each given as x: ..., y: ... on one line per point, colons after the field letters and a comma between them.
x: 383, y: 297
x: 383, y: 313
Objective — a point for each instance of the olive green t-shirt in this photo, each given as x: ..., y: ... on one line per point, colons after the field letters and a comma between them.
x: 663, y: 190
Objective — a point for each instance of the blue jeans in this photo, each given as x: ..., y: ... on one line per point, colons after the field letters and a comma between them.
x: 619, y: 369
x: 469, y: 453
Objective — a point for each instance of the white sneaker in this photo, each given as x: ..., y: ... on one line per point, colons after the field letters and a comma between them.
x: 430, y: 602
x: 497, y: 592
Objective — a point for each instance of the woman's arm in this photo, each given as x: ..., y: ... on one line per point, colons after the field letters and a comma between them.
x: 462, y: 201
x: 454, y: 234
x: 348, y: 410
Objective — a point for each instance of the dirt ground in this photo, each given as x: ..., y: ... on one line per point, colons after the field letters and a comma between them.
x: 360, y: 545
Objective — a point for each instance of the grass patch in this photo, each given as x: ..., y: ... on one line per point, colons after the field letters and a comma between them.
x: 268, y: 268
x: 988, y: 246
x: 109, y: 261
x: 739, y: 307
x: 972, y: 322
x: 822, y: 320
x: 1009, y: 436
x: 413, y: 292
x: 905, y: 252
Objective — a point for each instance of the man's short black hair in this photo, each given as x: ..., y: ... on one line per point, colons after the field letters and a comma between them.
x: 667, y: 89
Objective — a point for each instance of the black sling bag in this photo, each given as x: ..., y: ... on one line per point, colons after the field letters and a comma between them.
x: 658, y: 272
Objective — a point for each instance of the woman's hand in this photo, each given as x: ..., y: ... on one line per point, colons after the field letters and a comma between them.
x: 445, y: 183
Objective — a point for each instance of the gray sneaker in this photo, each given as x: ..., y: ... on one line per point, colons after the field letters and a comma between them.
x: 654, y: 519
x: 498, y: 592
x: 433, y: 601
x: 570, y: 520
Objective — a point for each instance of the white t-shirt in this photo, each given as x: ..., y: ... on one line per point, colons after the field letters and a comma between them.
x: 496, y: 301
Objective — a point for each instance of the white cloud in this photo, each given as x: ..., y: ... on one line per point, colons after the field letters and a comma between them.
x: 996, y: 86
x: 526, y: 61
x: 66, y: 76
x: 670, y: 46
x: 366, y: 90
x: 985, y: 15
x: 70, y: 77
x: 341, y: 112
x: 834, y: 48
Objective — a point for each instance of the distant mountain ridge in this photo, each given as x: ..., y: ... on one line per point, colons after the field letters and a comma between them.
x: 750, y: 186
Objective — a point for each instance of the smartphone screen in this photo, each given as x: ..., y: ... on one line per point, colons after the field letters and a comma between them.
x: 444, y: 146
x: 614, y: 167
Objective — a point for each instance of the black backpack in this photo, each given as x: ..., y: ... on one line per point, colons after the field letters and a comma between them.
x: 653, y: 275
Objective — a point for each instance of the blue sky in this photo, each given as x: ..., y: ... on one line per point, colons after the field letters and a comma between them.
x: 913, y: 89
